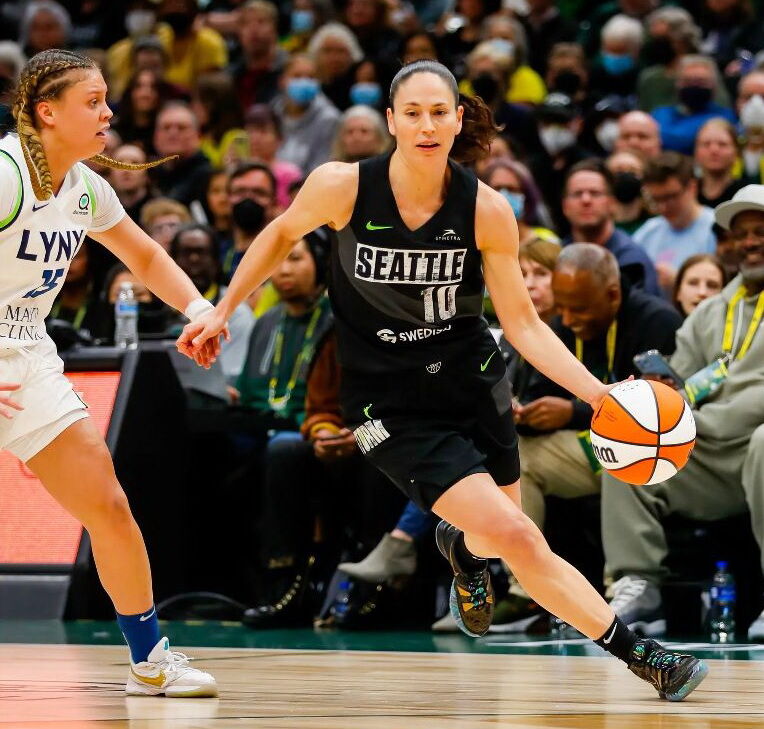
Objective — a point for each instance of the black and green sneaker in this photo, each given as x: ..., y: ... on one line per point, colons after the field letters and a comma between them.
x: 674, y: 675
x: 472, y: 600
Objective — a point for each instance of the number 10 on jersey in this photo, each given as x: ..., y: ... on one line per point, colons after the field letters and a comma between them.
x: 442, y: 298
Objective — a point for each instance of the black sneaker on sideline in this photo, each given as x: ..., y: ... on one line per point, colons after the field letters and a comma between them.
x: 472, y: 599
x: 674, y: 675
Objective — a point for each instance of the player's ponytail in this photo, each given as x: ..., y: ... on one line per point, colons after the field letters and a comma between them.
x: 478, y: 129
x: 45, y: 76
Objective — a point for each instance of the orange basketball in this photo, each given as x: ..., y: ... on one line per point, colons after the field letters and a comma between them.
x: 643, y: 432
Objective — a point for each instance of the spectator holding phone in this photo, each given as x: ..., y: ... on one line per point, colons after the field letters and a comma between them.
x: 605, y: 322
x: 723, y: 477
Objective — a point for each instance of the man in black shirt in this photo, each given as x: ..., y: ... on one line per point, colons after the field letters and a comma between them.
x: 604, y: 322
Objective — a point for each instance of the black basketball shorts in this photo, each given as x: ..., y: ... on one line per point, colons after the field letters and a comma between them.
x: 426, y: 429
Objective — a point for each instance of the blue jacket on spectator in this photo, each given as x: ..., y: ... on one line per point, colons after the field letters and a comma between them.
x: 678, y: 129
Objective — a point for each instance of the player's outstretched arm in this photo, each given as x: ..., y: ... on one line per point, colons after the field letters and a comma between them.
x: 326, y: 198
x: 161, y: 275
x: 497, y: 238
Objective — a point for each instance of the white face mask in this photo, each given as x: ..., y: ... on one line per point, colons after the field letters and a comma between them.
x: 606, y: 134
x: 752, y: 113
x: 556, y: 139
x: 140, y: 22
x: 752, y: 162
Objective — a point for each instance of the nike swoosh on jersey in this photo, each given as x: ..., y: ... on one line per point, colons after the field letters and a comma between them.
x: 371, y: 226
x: 34, y: 209
x: 485, y: 364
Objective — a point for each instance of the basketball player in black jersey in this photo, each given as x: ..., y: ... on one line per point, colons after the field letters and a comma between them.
x: 423, y: 384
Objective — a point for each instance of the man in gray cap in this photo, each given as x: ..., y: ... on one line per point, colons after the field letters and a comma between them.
x: 725, y: 474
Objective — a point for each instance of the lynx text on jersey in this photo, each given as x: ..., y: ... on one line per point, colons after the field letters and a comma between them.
x: 47, y: 246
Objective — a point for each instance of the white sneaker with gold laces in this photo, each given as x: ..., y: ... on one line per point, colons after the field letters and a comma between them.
x: 168, y: 672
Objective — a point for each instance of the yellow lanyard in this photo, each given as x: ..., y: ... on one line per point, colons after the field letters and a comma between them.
x: 78, y: 317
x: 278, y: 404
x: 612, y: 332
x: 211, y: 294
x: 727, y: 340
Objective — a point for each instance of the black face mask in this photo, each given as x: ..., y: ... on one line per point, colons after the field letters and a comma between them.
x: 486, y: 87
x: 695, y: 98
x: 658, y: 52
x: 248, y: 215
x: 627, y: 187
x: 179, y: 22
x: 568, y: 83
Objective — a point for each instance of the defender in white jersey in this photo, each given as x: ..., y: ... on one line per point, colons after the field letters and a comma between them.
x: 49, y: 201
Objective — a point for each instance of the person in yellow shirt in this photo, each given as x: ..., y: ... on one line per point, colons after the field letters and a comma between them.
x: 214, y: 101
x: 190, y: 49
x: 524, y: 85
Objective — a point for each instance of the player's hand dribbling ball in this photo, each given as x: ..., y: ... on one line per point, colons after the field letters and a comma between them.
x: 643, y: 432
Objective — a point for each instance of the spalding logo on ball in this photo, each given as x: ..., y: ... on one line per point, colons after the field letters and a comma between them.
x: 643, y: 432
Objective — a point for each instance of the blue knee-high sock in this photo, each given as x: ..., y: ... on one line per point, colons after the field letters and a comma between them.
x: 141, y: 632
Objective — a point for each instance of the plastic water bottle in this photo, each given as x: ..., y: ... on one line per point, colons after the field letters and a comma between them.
x: 722, y: 610
x: 126, y: 318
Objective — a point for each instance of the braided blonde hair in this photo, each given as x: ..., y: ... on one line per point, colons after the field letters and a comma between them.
x: 45, y: 77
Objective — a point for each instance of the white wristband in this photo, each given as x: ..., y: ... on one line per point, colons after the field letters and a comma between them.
x: 198, y: 307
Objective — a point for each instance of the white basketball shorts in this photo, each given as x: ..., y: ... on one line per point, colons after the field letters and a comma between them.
x: 50, y: 404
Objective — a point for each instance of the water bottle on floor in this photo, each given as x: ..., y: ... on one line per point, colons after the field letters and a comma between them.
x: 722, y: 609
x: 126, y: 318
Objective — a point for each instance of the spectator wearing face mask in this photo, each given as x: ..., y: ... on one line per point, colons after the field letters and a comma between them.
x: 631, y: 211
x: 560, y: 123
x: 306, y: 16
x: 336, y: 52
x: 672, y: 33
x: 488, y: 68
x: 750, y: 108
x: 601, y: 130
x: 697, y: 80
x: 615, y: 71
x: 589, y: 204
x: 513, y: 180
x: 367, y: 88
x: 524, y: 86
x: 252, y: 196
x: 567, y: 72
x: 308, y: 119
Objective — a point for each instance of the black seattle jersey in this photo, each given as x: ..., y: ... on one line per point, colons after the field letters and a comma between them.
x: 406, y: 298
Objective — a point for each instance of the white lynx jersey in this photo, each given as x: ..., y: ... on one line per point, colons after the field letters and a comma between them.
x: 39, y: 239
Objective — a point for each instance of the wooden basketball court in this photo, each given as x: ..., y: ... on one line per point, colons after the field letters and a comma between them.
x: 81, y: 686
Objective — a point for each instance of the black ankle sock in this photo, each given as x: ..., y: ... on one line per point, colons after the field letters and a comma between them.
x: 618, y: 640
x: 467, y: 561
